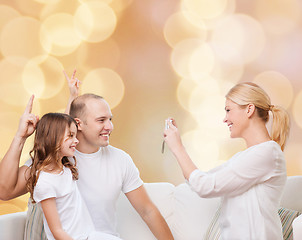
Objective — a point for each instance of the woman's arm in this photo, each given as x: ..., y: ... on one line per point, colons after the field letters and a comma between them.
x: 53, y: 219
x: 173, y: 140
x: 253, y: 168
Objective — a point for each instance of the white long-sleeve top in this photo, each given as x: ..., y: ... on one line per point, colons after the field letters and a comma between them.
x: 251, y: 185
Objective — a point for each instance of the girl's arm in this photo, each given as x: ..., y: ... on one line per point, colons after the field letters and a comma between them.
x: 53, y: 219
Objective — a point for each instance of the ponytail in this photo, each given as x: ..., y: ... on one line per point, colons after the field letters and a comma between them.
x: 280, y: 128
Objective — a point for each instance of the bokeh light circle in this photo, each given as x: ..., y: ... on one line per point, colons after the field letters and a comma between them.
x: 202, y: 149
x: 106, y: 83
x: 227, y: 71
x: 201, y: 62
x: 238, y: 39
x: 13, y: 92
x: 210, y: 114
x: 20, y: 37
x: 47, y: 1
x: 204, y: 90
x: 94, y: 21
x: 278, y: 16
x: 178, y: 28
x: 297, y: 113
x: 6, y: 15
x: 90, y: 58
x: 209, y: 23
x: 181, y: 55
x: 43, y: 76
x: 8, y: 125
x: 58, y: 35
x: 33, y: 79
x: 277, y: 86
x: 184, y: 90
x: 205, y: 8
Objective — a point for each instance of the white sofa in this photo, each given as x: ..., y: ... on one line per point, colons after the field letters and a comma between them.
x: 186, y: 213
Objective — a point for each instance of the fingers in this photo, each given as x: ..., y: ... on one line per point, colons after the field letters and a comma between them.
x: 74, y: 72
x: 66, y: 76
x: 72, y: 76
x: 171, y: 122
x: 29, y: 105
x: 33, y: 119
x: 78, y: 82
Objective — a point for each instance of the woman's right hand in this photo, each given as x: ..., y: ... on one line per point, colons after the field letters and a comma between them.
x: 172, y: 136
x: 28, y: 121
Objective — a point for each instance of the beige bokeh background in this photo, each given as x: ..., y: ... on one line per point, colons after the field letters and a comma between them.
x: 152, y: 59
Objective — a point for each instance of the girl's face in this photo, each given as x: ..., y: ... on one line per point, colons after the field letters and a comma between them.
x: 236, y: 118
x: 69, y: 141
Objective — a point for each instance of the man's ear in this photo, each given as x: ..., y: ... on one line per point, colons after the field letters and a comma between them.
x: 250, y: 110
x: 79, y: 122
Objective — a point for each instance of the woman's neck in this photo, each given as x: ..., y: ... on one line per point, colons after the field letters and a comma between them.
x: 256, y: 134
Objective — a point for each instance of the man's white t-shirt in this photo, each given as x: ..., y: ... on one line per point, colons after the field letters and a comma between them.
x: 251, y: 184
x: 103, y: 175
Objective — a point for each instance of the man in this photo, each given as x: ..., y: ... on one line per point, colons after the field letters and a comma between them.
x: 104, y: 171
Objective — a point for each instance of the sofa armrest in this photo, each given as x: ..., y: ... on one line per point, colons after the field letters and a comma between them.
x: 12, y: 226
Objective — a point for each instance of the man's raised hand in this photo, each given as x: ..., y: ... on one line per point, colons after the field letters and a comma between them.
x: 28, y: 121
x: 73, y: 84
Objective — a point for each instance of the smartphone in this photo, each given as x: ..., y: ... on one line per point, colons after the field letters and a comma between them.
x: 166, y: 123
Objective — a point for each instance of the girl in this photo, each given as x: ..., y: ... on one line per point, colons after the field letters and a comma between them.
x: 52, y: 176
x: 251, y: 182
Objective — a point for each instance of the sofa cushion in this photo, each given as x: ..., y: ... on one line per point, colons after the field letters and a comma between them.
x: 287, y: 217
x: 213, y: 231
x: 192, y: 213
x: 34, y: 229
x: 162, y: 195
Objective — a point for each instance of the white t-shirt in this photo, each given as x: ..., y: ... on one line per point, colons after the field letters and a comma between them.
x: 102, y: 177
x: 74, y: 216
x: 251, y: 184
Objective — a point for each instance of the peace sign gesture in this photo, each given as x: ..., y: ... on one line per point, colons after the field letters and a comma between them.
x: 28, y: 121
x: 73, y: 84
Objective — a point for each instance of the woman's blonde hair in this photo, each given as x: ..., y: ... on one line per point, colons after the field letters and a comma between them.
x: 47, y: 144
x: 250, y: 93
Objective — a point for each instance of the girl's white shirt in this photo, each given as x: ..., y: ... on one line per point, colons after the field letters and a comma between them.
x: 250, y: 184
x: 74, y: 216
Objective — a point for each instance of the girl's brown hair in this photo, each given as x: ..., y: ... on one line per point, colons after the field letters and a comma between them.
x: 45, y: 153
x: 250, y: 93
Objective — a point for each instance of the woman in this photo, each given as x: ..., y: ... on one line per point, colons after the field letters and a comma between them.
x: 252, y: 181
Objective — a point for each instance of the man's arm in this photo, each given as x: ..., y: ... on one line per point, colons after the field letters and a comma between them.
x: 73, y: 85
x: 12, y: 178
x: 149, y: 213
